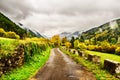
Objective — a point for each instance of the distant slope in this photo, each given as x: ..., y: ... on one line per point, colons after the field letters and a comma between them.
x: 33, y: 32
x: 75, y: 35
x: 64, y: 34
x: 70, y: 35
x: 8, y: 25
x: 109, y: 31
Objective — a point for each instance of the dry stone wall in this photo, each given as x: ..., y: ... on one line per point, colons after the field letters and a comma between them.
x: 10, y: 62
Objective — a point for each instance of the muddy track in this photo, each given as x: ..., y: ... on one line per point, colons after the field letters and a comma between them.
x: 61, y: 67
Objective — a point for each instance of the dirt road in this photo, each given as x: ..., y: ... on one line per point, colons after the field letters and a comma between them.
x: 61, y: 67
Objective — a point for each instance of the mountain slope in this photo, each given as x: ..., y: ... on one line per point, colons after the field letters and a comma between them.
x: 64, y: 34
x: 75, y: 35
x: 109, y: 31
x: 8, y: 25
x: 69, y: 35
x: 33, y: 32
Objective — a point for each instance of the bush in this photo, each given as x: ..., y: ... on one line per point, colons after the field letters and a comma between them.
x: 105, y: 46
x: 82, y: 46
x: 2, y: 32
x: 117, y: 51
x: 12, y: 35
x: 32, y: 48
x: 9, y: 34
x: 112, y: 49
x: 76, y: 44
x: 108, y: 49
x: 91, y: 47
x: 68, y: 44
x: 99, y: 48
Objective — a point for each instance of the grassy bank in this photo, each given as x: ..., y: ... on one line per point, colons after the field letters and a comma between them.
x: 22, y: 58
x: 29, y: 68
x: 7, y: 46
x: 105, y: 56
x: 99, y: 73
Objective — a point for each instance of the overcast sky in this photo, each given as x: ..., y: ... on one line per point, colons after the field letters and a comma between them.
x: 51, y: 17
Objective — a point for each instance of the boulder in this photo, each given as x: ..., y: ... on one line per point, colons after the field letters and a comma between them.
x: 112, y: 66
x: 94, y: 58
x: 81, y: 53
x: 90, y: 57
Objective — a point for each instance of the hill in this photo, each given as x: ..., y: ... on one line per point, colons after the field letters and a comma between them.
x: 109, y: 31
x: 64, y: 34
x: 9, y: 25
x: 69, y: 35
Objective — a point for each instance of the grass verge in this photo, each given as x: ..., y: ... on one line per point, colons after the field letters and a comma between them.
x: 105, y: 56
x: 99, y: 73
x: 7, y: 46
x: 29, y: 68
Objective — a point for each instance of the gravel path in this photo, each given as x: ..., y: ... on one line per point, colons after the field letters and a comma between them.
x: 61, y: 67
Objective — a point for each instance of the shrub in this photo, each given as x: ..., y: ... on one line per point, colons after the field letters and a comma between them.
x: 105, y: 46
x: 82, y: 46
x: 76, y: 44
x: 2, y: 32
x: 99, y: 48
x: 68, y: 44
x: 112, y: 48
x: 12, y: 35
x: 117, y: 51
x: 91, y: 47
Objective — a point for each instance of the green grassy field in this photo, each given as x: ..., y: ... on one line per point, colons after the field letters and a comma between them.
x: 105, y: 56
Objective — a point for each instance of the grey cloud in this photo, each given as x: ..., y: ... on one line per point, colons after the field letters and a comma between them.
x: 54, y: 16
x: 16, y: 9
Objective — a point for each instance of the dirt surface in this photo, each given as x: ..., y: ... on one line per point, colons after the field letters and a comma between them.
x: 61, y: 67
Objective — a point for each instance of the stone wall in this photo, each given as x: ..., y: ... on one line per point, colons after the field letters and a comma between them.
x: 10, y: 62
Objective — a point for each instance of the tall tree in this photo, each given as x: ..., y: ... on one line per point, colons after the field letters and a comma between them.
x: 64, y: 40
x: 72, y: 42
x: 56, y: 40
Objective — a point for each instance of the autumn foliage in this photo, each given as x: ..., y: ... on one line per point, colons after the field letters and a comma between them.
x: 9, y: 34
x: 56, y: 40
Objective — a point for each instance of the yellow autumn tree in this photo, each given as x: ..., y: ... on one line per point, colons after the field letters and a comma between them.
x: 76, y: 44
x: 63, y: 41
x: 2, y: 32
x: 56, y: 40
x: 68, y: 44
x: 12, y: 35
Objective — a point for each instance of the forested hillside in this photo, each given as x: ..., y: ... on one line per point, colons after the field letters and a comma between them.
x: 8, y: 25
x: 109, y: 31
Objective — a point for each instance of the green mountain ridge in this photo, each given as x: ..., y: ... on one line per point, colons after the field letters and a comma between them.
x: 109, y: 31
